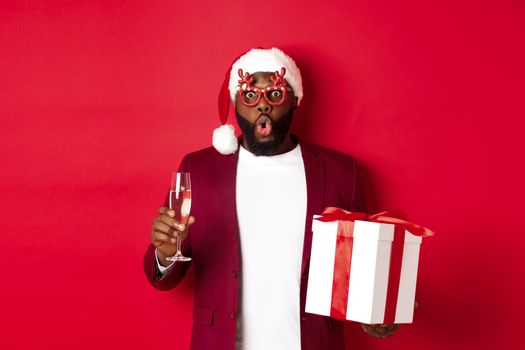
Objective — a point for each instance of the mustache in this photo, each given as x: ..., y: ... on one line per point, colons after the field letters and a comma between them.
x: 259, y: 118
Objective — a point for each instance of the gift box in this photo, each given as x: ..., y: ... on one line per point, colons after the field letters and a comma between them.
x: 363, y: 267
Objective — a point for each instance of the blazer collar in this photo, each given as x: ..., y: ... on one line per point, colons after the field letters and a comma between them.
x: 227, y: 190
x: 315, y: 182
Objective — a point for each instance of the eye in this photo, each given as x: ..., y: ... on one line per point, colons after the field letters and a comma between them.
x: 250, y: 95
x: 276, y: 93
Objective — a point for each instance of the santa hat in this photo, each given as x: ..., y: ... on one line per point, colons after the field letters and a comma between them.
x: 255, y: 60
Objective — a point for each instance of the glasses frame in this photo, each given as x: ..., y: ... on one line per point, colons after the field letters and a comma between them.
x: 246, y: 85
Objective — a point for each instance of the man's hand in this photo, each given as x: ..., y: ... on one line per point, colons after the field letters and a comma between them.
x: 380, y: 330
x: 164, y: 232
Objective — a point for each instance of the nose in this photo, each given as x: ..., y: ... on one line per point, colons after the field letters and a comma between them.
x: 264, y: 106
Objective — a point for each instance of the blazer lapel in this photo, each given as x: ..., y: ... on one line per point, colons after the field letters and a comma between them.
x: 227, y: 187
x: 315, y: 182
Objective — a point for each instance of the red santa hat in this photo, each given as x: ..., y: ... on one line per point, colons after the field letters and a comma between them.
x: 255, y: 60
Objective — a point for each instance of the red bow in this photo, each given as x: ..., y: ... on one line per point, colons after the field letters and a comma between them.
x: 334, y: 214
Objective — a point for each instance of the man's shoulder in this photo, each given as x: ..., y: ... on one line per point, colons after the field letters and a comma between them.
x: 209, y: 155
x: 206, y: 156
x: 203, y: 152
x: 327, y: 154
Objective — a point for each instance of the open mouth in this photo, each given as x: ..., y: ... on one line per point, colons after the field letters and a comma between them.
x: 263, y: 125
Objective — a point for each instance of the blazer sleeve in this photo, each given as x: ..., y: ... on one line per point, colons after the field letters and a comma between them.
x: 357, y: 199
x: 175, y: 275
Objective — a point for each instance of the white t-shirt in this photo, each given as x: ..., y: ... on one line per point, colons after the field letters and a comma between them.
x: 271, y: 209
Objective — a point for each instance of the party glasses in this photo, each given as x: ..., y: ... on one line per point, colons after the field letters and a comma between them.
x: 251, y: 95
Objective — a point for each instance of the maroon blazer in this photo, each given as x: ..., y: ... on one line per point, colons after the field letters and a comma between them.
x: 213, y: 243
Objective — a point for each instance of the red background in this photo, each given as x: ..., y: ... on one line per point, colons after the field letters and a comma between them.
x: 99, y: 101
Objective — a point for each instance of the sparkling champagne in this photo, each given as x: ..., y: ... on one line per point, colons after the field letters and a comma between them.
x: 180, y: 202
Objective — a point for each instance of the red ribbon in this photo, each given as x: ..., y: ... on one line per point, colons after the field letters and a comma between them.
x: 341, y: 278
x: 343, y: 256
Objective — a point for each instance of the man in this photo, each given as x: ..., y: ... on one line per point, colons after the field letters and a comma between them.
x: 251, y: 223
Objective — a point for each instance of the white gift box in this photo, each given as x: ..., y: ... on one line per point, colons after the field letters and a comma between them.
x: 369, y: 272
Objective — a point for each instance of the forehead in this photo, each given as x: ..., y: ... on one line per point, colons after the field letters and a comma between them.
x: 262, y: 78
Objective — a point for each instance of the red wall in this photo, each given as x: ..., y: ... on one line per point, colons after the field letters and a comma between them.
x: 99, y: 101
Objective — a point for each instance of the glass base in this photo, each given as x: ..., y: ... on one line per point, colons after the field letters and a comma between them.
x: 178, y: 257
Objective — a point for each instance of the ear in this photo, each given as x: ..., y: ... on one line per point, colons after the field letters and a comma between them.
x: 294, y: 102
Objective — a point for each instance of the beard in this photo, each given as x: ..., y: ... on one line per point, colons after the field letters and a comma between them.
x: 280, y: 129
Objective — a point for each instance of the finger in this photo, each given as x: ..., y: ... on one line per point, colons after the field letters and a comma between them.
x: 174, y: 223
x: 388, y: 325
x: 392, y: 329
x: 376, y: 330
x: 160, y: 238
x: 376, y: 333
x: 380, y: 331
x: 162, y: 227
x: 388, y: 331
x: 184, y: 227
x: 170, y: 222
x: 370, y: 329
x: 166, y: 211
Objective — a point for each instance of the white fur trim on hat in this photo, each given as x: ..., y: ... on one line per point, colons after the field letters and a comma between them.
x: 266, y: 60
x: 224, y: 139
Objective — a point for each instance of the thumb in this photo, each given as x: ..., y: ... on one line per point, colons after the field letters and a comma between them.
x: 190, y: 222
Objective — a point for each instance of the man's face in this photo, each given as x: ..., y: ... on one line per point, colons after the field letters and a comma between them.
x: 265, y: 127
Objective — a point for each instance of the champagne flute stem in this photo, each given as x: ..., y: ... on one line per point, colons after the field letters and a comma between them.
x: 179, y: 241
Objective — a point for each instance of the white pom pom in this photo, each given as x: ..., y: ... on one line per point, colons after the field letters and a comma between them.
x: 224, y: 139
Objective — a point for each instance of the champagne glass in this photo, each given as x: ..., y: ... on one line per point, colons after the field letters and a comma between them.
x: 180, y: 203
